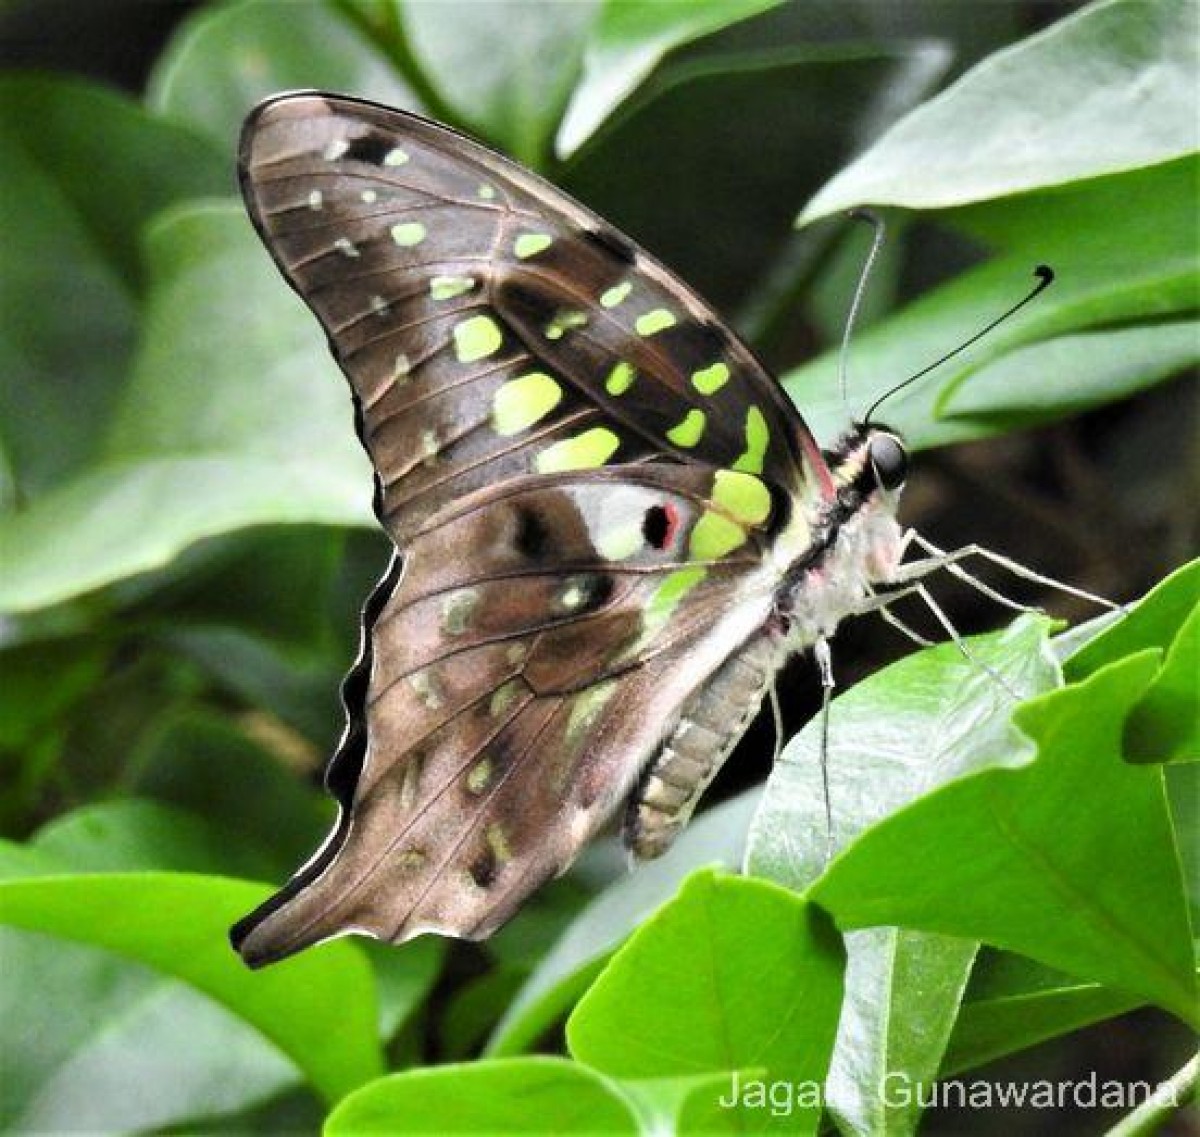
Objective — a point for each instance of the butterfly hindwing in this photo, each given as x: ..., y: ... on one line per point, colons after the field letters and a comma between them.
x: 515, y: 689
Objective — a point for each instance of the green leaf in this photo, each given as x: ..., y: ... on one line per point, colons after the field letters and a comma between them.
x: 627, y: 42
x: 318, y: 1008
x: 1153, y: 622
x: 1105, y: 90
x: 926, y: 720
x: 1166, y: 722
x: 903, y: 995
x: 82, y: 170
x: 216, y: 430
x: 1013, y: 1003
x: 739, y: 171
x: 226, y: 58
x: 131, y: 835
x: 510, y: 78
x: 520, y: 1095
x: 731, y: 974
x: 87, y: 1027
x: 1090, y: 368
x: 1070, y: 860
x: 197, y: 761
x: 1115, y: 266
x: 717, y: 836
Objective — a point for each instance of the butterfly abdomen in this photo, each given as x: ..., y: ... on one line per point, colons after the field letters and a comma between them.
x: 710, y: 725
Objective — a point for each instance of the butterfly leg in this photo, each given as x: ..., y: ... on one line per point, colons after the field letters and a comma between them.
x: 878, y: 602
x: 946, y: 559
x: 824, y: 658
x: 890, y: 617
x: 961, y: 644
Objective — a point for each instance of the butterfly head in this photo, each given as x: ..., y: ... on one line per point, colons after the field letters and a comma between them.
x: 869, y: 463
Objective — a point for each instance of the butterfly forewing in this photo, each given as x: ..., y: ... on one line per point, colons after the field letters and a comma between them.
x: 584, y: 472
x: 491, y: 326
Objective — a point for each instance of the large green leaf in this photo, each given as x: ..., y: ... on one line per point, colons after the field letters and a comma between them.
x: 214, y: 432
x: 97, y: 1043
x: 319, y: 1008
x: 1166, y: 722
x: 80, y: 171
x: 626, y: 43
x: 1013, y: 1003
x: 1115, y: 267
x: 227, y: 57
x: 1070, y: 860
x: 1109, y: 89
x: 510, y: 78
x: 1121, y: 271
x: 725, y: 189
x: 926, y: 720
x: 517, y: 1095
x: 732, y: 974
x: 715, y: 837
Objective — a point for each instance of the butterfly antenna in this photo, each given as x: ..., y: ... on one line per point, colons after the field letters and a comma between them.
x: 877, y: 223
x: 1045, y: 275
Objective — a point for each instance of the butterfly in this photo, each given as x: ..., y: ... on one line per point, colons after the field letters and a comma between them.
x: 611, y: 526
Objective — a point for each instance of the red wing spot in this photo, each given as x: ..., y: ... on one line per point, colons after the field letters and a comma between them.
x: 660, y: 525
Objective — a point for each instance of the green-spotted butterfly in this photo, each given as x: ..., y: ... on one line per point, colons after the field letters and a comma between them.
x: 612, y: 527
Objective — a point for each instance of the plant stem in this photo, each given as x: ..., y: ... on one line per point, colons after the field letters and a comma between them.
x: 1170, y: 1095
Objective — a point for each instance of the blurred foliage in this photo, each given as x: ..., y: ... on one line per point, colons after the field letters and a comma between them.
x: 186, y: 536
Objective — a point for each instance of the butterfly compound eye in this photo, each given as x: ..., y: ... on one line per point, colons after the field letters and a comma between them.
x: 889, y: 460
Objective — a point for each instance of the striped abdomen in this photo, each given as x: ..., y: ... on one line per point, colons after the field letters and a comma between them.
x: 712, y: 721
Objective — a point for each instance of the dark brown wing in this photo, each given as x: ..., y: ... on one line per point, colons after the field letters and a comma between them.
x: 514, y: 691
x: 491, y: 326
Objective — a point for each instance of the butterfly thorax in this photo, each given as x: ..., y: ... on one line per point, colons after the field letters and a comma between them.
x: 856, y: 541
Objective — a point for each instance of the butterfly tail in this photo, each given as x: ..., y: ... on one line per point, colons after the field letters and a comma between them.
x: 301, y: 914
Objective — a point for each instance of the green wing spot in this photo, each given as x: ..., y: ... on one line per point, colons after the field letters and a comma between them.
x: 620, y: 379
x: 584, y: 451
x: 656, y: 320
x: 408, y: 233
x: 530, y: 244
x: 713, y: 536
x: 395, y: 157
x: 564, y: 321
x: 476, y: 338
x: 709, y: 380
x: 621, y: 541
x: 486, y: 192
x: 689, y: 430
x: 448, y: 287
x: 667, y: 596
x: 742, y: 495
x: 616, y: 295
x: 524, y: 401
x: 758, y: 437
x: 480, y: 776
